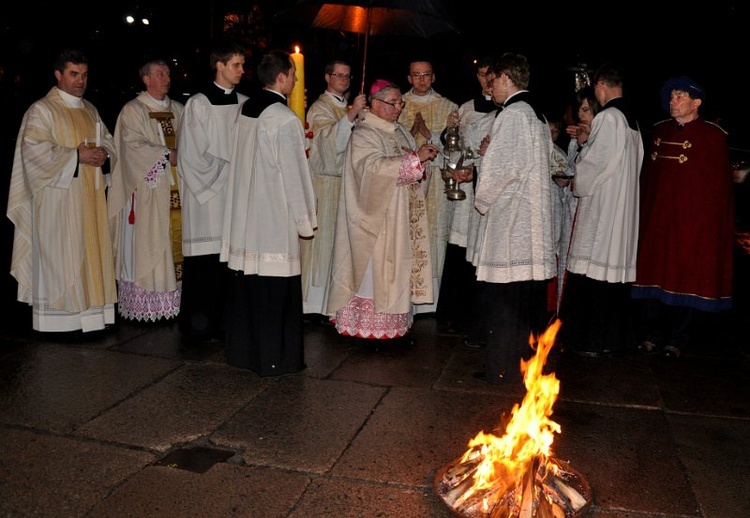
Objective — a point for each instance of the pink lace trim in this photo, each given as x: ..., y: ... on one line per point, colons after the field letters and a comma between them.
x: 135, y: 303
x: 155, y: 174
x: 358, y: 318
x: 411, y: 170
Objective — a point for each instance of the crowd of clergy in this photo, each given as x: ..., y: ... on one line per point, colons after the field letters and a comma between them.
x: 238, y: 219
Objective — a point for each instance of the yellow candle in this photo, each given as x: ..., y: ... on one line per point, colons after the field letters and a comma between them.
x: 297, y: 97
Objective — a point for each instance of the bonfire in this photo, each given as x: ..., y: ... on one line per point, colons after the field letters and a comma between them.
x: 515, y: 475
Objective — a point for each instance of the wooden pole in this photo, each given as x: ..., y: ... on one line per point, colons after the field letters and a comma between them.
x: 367, y: 37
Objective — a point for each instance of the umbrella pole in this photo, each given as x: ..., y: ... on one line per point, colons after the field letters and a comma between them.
x: 364, y: 59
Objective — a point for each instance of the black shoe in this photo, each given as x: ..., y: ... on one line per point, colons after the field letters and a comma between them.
x: 450, y: 329
x: 313, y: 318
x: 376, y: 345
x: 672, y: 352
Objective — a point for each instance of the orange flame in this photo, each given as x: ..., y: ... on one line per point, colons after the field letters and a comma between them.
x: 529, y: 434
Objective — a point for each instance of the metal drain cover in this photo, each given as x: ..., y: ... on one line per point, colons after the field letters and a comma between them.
x: 197, y: 459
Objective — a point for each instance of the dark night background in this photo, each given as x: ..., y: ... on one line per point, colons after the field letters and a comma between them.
x: 650, y: 44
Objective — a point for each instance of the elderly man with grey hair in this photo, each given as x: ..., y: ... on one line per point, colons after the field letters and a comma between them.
x: 381, y: 257
x: 684, y: 262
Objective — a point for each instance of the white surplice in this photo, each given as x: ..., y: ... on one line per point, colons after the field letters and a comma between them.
x: 205, y: 145
x: 515, y: 236
x: 270, y: 199
x: 605, y: 236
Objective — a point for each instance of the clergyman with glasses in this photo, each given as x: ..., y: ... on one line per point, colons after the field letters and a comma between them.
x: 382, y: 267
x: 515, y: 252
x: 426, y: 115
x: 330, y: 120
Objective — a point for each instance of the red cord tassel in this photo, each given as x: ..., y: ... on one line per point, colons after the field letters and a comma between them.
x: 131, y: 216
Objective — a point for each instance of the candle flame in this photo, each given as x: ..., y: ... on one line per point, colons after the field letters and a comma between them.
x: 296, y: 49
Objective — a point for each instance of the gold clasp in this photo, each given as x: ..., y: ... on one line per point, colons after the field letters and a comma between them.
x: 681, y: 158
x: 684, y: 145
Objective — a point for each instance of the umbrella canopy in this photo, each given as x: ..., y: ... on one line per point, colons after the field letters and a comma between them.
x: 423, y: 18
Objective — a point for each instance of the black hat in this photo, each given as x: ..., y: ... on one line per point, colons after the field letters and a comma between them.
x: 683, y: 83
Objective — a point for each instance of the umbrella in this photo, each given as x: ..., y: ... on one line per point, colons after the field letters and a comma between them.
x: 422, y: 18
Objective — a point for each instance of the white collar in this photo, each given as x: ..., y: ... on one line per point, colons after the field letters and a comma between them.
x: 226, y: 90
x: 276, y: 92
x: 163, y: 103
x: 339, y: 99
x: 427, y: 98
x: 71, y: 101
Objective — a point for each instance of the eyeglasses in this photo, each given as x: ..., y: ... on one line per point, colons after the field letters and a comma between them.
x: 421, y: 74
x: 342, y: 76
x: 396, y: 104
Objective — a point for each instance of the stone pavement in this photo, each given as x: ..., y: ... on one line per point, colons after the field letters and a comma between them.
x: 132, y: 424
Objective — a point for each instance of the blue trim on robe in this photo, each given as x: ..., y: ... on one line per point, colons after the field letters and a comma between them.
x: 681, y: 299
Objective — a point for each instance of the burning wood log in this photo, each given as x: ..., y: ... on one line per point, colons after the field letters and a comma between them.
x: 515, y: 476
x: 551, y: 490
x: 528, y: 491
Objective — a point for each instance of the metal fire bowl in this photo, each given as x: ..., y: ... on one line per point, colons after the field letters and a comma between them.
x: 582, y: 486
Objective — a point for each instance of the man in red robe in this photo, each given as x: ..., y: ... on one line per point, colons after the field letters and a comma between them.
x: 687, y: 222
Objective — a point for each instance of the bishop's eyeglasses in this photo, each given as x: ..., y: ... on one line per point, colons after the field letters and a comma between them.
x: 396, y: 104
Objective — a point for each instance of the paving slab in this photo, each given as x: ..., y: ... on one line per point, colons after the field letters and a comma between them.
x: 224, y: 490
x: 345, y: 498
x: 627, y: 456
x: 714, y: 451
x: 45, y: 475
x: 415, y: 432
x: 61, y: 387
x: 300, y: 423
x: 705, y: 385
x: 188, y: 404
